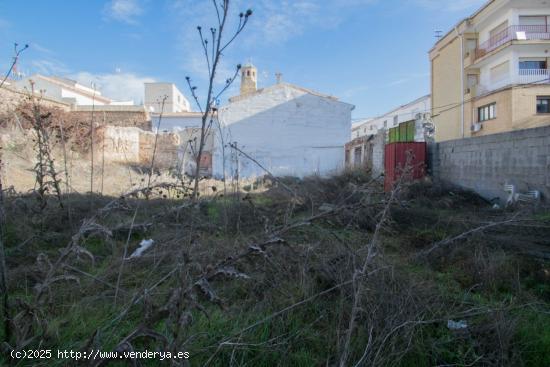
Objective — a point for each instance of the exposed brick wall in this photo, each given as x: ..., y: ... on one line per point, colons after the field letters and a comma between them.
x: 485, y: 164
x: 166, y: 153
x: 132, y: 145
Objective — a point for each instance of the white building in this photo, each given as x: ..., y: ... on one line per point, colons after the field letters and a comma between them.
x: 520, y: 63
x: 288, y: 129
x: 361, y: 128
x: 175, y: 100
x: 63, y: 89
x: 415, y: 110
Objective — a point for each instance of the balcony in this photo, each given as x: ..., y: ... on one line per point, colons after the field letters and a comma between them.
x: 523, y: 77
x: 533, y: 76
x: 512, y: 33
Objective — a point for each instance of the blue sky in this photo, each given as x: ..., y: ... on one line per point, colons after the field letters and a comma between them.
x: 371, y: 53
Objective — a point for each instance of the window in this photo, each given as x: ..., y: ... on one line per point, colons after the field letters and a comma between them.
x: 386, y: 124
x: 500, y: 32
x: 488, y: 112
x: 472, y: 80
x: 498, y: 36
x: 534, y: 22
x: 531, y: 64
x: 471, y: 45
x: 395, y: 119
x: 543, y: 104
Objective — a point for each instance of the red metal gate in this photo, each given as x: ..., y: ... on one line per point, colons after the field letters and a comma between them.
x: 404, y: 158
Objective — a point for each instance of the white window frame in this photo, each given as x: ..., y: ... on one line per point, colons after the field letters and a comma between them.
x: 487, y: 112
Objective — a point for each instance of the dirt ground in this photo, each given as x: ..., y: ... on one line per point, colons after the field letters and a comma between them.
x: 74, y: 169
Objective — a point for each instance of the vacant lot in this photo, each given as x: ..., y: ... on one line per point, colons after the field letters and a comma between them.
x: 314, y: 272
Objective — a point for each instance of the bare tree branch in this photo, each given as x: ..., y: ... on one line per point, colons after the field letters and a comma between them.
x: 14, y: 62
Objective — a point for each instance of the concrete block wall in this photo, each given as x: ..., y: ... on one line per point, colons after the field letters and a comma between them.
x: 485, y: 164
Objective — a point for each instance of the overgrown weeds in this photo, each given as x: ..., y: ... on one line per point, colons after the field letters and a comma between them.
x: 280, y: 278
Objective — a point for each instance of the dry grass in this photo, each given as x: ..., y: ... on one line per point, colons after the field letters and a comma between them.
x: 253, y: 278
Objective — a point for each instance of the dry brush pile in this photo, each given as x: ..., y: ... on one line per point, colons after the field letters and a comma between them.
x: 311, y: 272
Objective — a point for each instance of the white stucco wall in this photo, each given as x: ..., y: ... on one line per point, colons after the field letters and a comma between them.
x: 511, y: 14
x: 175, y: 122
x: 288, y: 130
x: 79, y: 99
x: 50, y: 90
x: 68, y: 93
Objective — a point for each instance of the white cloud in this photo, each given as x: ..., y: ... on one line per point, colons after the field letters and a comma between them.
x: 126, y: 11
x: 280, y: 21
x: 273, y: 23
x: 408, y: 78
x: 48, y: 66
x: 456, y: 5
x: 118, y: 86
x: 41, y: 49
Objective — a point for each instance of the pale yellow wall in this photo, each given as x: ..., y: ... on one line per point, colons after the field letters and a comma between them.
x: 447, y: 89
x: 516, y: 110
x: 503, y: 120
x: 525, y: 107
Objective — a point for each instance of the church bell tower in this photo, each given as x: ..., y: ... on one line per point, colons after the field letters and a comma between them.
x: 249, y: 79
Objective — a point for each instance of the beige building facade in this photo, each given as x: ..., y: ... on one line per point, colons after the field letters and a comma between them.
x: 490, y: 73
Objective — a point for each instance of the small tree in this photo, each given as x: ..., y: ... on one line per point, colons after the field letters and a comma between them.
x: 213, y: 46
x: 47, y: 179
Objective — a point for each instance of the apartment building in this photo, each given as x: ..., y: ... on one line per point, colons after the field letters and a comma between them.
x: 175, y: 101
x: 490, y: 73
x: 417, y: 110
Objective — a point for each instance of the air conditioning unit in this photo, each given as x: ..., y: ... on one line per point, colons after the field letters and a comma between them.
x: 476, y: 126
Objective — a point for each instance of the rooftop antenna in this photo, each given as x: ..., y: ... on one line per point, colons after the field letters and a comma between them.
x: 438, y: 34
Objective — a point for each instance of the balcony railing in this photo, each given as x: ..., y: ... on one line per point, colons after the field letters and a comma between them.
x: 524, y: 76
x: 533, y: 76
x: 515, y: 32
